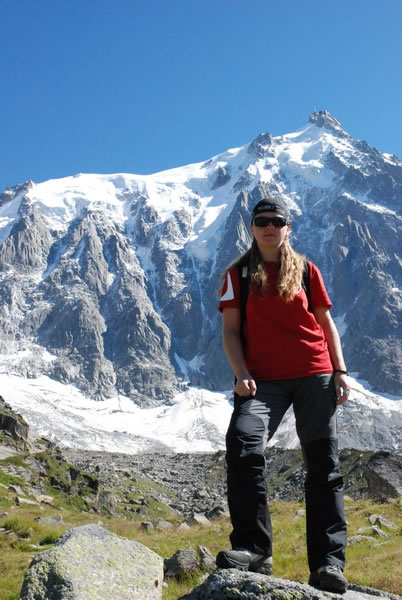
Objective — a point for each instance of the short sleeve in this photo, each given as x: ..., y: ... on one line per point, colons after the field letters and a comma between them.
x: 230, y: 297
x: 318, y: 292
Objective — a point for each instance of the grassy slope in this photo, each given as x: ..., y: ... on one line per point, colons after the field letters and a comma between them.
x: 379, y: 567
x: 82, y: 502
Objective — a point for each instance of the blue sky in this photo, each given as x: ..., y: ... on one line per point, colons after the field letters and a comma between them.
x: 139, y: 86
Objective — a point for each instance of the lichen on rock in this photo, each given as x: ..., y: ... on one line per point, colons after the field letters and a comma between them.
x: 90, y: 563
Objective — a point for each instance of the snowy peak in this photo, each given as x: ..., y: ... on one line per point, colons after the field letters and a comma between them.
x: 324, y: 119
x: 10, y: 193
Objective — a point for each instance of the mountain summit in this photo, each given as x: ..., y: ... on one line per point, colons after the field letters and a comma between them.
x: 324, y: 119
x: 108, y: 282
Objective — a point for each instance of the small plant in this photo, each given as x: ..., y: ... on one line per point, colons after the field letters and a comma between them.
x: 14, y: 524
x: 50, y: 538
x: 23, y: 528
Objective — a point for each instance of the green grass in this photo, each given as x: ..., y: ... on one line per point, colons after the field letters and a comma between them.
x: 379, y: 567
x: 17, y: 461
x: 21, y: 527
x: 7, y: 480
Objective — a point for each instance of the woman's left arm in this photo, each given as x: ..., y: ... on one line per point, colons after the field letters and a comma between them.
x: 342, y: 383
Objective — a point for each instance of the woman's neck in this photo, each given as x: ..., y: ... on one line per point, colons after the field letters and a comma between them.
x: 270, y: 254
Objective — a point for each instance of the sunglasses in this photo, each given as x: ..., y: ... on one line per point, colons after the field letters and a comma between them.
x: 264, y: 221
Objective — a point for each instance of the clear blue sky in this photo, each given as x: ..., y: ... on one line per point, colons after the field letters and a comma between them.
x: 139, y: 86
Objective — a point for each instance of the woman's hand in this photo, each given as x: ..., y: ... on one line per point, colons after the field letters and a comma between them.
x: 232, y: 344
x: 245, y: 387
x: 342, y: 387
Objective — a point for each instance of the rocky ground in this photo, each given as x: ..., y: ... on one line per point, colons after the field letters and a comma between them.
x: 172, y: 491
x: 180, y: 485
x: 197, y: 481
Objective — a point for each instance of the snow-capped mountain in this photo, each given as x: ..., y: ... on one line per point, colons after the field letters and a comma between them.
x: 108, y: 282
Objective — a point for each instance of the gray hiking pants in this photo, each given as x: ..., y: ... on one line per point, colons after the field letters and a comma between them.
x: 254, y: 421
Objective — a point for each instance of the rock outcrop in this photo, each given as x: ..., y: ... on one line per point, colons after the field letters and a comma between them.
x: 89, y: 562
x: 384, y: 476
x: 12, y: 423
x: 229, y: 584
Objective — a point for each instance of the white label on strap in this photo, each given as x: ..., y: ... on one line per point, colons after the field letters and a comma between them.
x: 229, y: 294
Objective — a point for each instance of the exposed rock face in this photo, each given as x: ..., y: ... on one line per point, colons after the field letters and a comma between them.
x: 109, y: 282
x: 324, y: 119
x: 231, y: 583
x: 12, y: 423
x: 222, y: 176
x: 28, y: 242
x: 384, y: 476
x: 261, y: 145
x: 90, y: 562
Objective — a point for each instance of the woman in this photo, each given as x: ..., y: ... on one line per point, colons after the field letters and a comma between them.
x: 286, y: 352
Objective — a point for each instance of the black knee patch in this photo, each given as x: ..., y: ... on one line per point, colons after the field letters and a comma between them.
x: 245, y: 441
x: 321, y: 459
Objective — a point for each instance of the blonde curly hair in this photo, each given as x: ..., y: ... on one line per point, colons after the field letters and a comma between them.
x: 290, y: 271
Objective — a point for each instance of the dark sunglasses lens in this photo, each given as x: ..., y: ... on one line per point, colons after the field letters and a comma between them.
x: 278, y: 222
x: 264, y: 221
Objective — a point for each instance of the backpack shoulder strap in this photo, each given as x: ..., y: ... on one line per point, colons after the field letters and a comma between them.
x: 244, y: 288
x: 244, y: 285
x: 306, y: 285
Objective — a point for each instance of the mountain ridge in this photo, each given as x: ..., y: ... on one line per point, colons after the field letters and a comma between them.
x: 108, y: 282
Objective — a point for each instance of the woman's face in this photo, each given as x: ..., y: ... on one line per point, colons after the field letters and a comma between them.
x: 269, y: 236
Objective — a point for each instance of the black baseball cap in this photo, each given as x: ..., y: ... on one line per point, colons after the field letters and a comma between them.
x: 268, y: 205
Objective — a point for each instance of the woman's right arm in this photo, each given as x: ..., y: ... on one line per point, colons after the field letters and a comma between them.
x: 232, y: 345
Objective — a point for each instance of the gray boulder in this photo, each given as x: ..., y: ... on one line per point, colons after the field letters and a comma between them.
x: 358, y: 539
x: 227, y: 584
x: 382, y: 522
x: 89, y: 562
x: 183, y: 562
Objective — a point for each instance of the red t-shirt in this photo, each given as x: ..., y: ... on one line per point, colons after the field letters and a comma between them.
x: 283, y: 339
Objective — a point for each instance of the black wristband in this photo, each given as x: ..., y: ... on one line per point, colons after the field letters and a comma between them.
x: 340, y: 371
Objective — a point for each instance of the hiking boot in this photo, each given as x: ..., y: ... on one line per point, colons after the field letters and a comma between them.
x: 329, y: 578
x: 244, y: 560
